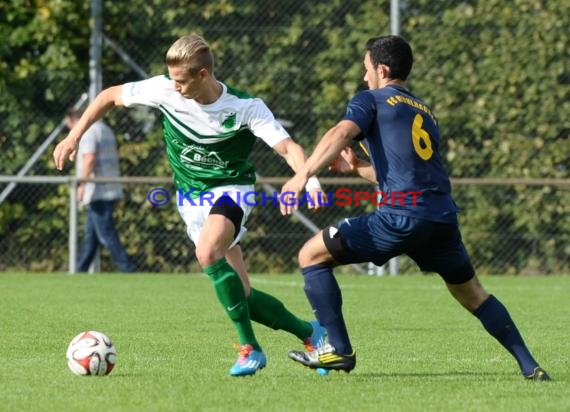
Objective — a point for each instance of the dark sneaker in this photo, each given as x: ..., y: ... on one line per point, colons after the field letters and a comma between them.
x: 325, y: 358
x: 538, y: 374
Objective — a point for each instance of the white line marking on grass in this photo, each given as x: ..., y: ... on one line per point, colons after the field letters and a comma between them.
x: 295, y: 284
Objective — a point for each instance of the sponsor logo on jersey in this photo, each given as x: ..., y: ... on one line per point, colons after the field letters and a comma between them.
x: 134, y: 89
x: 194, y: 155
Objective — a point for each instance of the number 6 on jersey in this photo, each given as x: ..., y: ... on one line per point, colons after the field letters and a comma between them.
x: 419, y: 136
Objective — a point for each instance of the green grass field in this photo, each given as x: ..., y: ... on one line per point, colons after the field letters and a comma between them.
x: 417, y: 349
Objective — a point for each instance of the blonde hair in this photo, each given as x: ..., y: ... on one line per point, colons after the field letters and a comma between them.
x: 192, y: 53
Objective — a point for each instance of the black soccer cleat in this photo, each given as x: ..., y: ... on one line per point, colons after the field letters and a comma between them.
x: 325, y: 358
x: 538, y: 374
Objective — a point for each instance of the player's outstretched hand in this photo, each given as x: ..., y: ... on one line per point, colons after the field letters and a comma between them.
x: 67, y: 148
x: 346, y: 162
x: 289, y: 196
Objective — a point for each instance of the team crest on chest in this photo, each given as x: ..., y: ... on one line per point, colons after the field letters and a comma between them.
x: 228, y: 120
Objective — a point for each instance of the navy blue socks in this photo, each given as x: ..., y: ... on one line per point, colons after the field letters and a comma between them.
x: 497, y: 321
x: 325, y: 298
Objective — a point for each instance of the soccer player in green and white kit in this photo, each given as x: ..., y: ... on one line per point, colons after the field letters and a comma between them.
x: 209, y: 131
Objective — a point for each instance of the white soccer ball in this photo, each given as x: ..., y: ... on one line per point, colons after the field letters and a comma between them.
x: 91, y: 353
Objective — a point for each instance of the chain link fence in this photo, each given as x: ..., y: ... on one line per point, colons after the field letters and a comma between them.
x: 496, y: 76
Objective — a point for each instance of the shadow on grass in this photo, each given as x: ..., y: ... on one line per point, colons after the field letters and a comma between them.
x: 424, y: 375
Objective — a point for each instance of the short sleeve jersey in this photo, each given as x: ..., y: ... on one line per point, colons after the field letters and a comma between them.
x: 207, y: 145
x: 402, y: 137
x: 100, y: 140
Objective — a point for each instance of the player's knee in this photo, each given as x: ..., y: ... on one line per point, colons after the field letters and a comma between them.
x: 469, y: 294
x: 313, y: 252
x: 207, y: 255
x: 461, y: 275
x: 306, y: 257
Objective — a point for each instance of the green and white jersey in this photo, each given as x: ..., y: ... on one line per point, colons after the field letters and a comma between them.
x: 207, y: 145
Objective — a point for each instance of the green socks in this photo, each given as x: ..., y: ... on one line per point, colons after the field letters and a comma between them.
x: 271, y: 312
x: 231, y: 295
x: 260, y: 307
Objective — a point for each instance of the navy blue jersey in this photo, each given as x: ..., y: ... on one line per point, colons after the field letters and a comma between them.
x: 402, y: 138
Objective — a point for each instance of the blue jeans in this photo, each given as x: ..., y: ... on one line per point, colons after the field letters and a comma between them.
x: 100, y: 230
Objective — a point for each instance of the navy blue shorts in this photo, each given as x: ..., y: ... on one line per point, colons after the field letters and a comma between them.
x: 378, y: 237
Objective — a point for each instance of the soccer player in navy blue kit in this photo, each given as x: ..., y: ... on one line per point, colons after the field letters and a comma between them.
x: 402, y: 138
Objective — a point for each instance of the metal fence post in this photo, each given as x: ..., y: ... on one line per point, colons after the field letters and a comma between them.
x: 394, y: 263
x: 395, y: 17
x: 96, y: 50
x: 72, y: 225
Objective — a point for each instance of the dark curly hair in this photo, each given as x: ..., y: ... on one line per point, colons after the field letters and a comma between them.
x: 394, y: 52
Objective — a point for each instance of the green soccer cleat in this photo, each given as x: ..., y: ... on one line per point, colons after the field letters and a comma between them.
x: 325, y: 358
x: 538, y: 374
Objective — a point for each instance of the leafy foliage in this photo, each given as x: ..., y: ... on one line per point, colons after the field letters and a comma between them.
x: 495, y: 73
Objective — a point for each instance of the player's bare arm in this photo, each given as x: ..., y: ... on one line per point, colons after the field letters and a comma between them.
x: 327, y: 150
x: 348, y: 162
x: 295, y: 157
x: 67, y: 148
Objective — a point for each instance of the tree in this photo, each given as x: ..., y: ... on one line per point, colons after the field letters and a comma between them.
x: 495, y: 74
